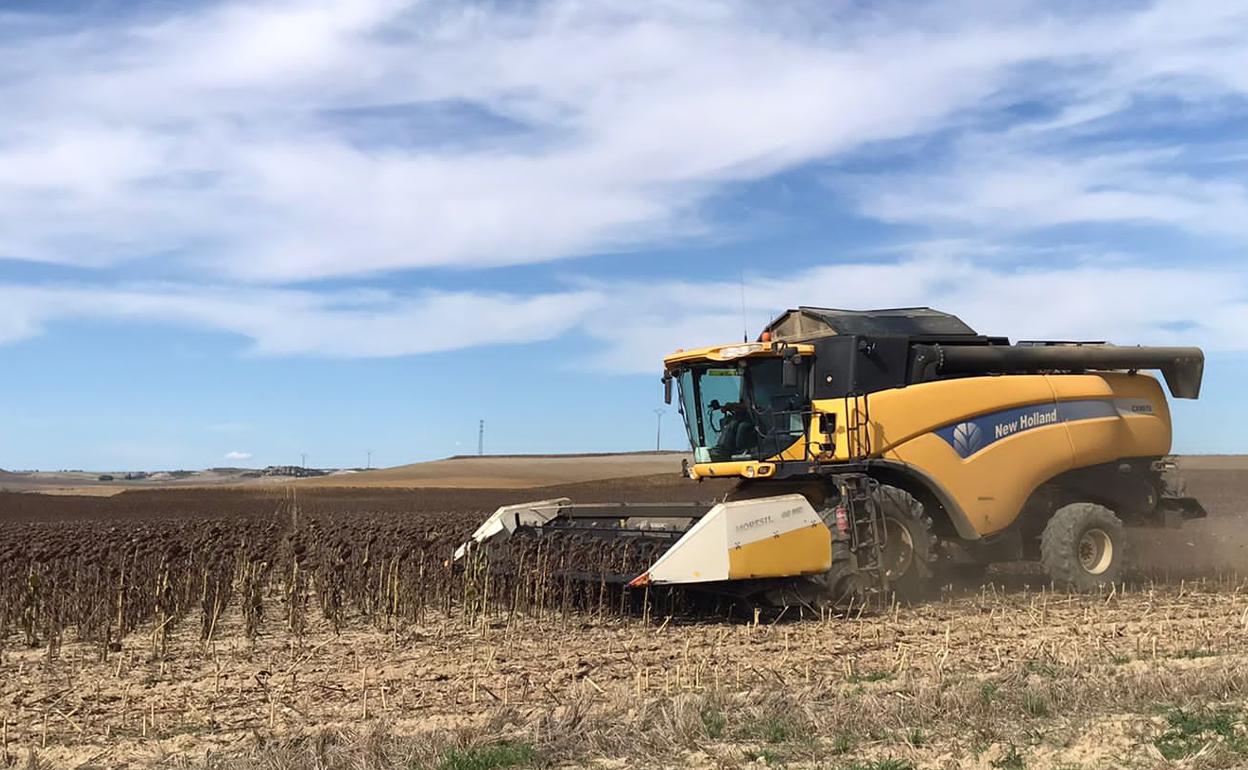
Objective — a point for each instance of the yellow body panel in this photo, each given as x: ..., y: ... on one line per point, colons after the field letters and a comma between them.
x: 746, y: 469
x: 899, y: 415
x: 1142, y: 434
x: 1105, y: 417
x: 992, y: 486
x: 803, y: 551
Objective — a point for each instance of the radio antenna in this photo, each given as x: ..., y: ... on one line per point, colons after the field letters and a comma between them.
x: 745, y: 325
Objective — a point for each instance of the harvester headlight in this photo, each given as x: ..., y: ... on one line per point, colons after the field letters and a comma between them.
x: 749, y: 471
x: 737, y: 351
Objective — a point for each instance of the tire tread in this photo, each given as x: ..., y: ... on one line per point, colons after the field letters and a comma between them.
x: 921, y: 579
x: 1059, y: 546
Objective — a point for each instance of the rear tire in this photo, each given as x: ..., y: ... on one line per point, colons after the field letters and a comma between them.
x: 1084, y: 547
x: 909, y: 552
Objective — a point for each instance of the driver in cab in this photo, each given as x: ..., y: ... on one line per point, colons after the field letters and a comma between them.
x: 737, y: 434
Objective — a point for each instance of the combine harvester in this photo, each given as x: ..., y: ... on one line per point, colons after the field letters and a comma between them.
x: 886, y: 449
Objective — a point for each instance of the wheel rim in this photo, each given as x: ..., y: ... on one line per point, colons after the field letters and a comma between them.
x: 898, y: 552
x: 1096, y: 551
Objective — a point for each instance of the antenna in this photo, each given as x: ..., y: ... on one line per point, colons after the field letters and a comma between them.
x: 745, y: 326
x: 369, y: 466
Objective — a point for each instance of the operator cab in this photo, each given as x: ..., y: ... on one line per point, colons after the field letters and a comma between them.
x: 747, y: 409
x: 753, y: 401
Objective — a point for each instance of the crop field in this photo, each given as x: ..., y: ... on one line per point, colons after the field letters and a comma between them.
x: 323, y: 628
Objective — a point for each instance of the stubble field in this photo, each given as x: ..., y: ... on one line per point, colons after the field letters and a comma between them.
x: 323, y: 628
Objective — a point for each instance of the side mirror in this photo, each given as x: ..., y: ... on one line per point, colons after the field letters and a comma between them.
x: 667, y: 388
x: 789, y: 371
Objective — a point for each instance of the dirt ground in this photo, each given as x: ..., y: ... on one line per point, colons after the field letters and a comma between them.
x: 1006, y: 676
x: 1064, y: 681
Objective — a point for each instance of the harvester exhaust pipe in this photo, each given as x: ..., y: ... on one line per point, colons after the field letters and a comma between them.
x: 1183, y: 368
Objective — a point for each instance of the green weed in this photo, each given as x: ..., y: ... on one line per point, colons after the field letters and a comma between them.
x: 778, y: 731
x: 1035, y: 705
x: 775, y: 729
x: 881, y: 764
x: 715, y: 723
x: 492, y: 757
x: 870, y: 676
x: 769, y: 757
x: 1190, y: 731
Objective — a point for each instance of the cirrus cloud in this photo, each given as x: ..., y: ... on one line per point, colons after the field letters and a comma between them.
x: 285, y: 141
x: 633, y: 324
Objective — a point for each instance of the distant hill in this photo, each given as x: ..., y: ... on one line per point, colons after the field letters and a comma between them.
x: 509, y: 471
x: 523, y: 471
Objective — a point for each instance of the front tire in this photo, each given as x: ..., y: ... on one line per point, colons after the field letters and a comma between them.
x: 1084, y: 547
x: 908, y: 553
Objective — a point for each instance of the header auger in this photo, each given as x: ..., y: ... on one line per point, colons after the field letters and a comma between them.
x: 887, y: 448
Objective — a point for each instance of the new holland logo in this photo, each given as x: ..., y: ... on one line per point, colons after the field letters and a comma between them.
x: 973, y: 436
x: 967, y: 438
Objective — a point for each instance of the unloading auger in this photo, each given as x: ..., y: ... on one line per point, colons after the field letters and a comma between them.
x: 891, y: 448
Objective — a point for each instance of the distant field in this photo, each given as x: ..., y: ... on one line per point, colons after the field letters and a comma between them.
x: 488, y: 472
x: 527, y: 471
x: 1214, y: 462
x: 508, y: 472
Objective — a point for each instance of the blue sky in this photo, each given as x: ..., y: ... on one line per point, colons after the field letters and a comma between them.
x: 232, y: 233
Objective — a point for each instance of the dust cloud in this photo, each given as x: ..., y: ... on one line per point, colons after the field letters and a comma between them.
x: 1212, y: 547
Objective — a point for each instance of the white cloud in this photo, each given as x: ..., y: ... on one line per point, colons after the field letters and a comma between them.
x: 238, y: 455
x: 228, y: 134
x: 997, y: 184
x: 1125, y: 303
x: 346, y: 324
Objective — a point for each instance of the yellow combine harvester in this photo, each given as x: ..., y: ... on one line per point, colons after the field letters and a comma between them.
x: 893, y: 448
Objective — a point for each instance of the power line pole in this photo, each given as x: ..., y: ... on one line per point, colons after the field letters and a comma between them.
x: 369, y: 466
x: 481, y: 439
x: 658, y: 430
